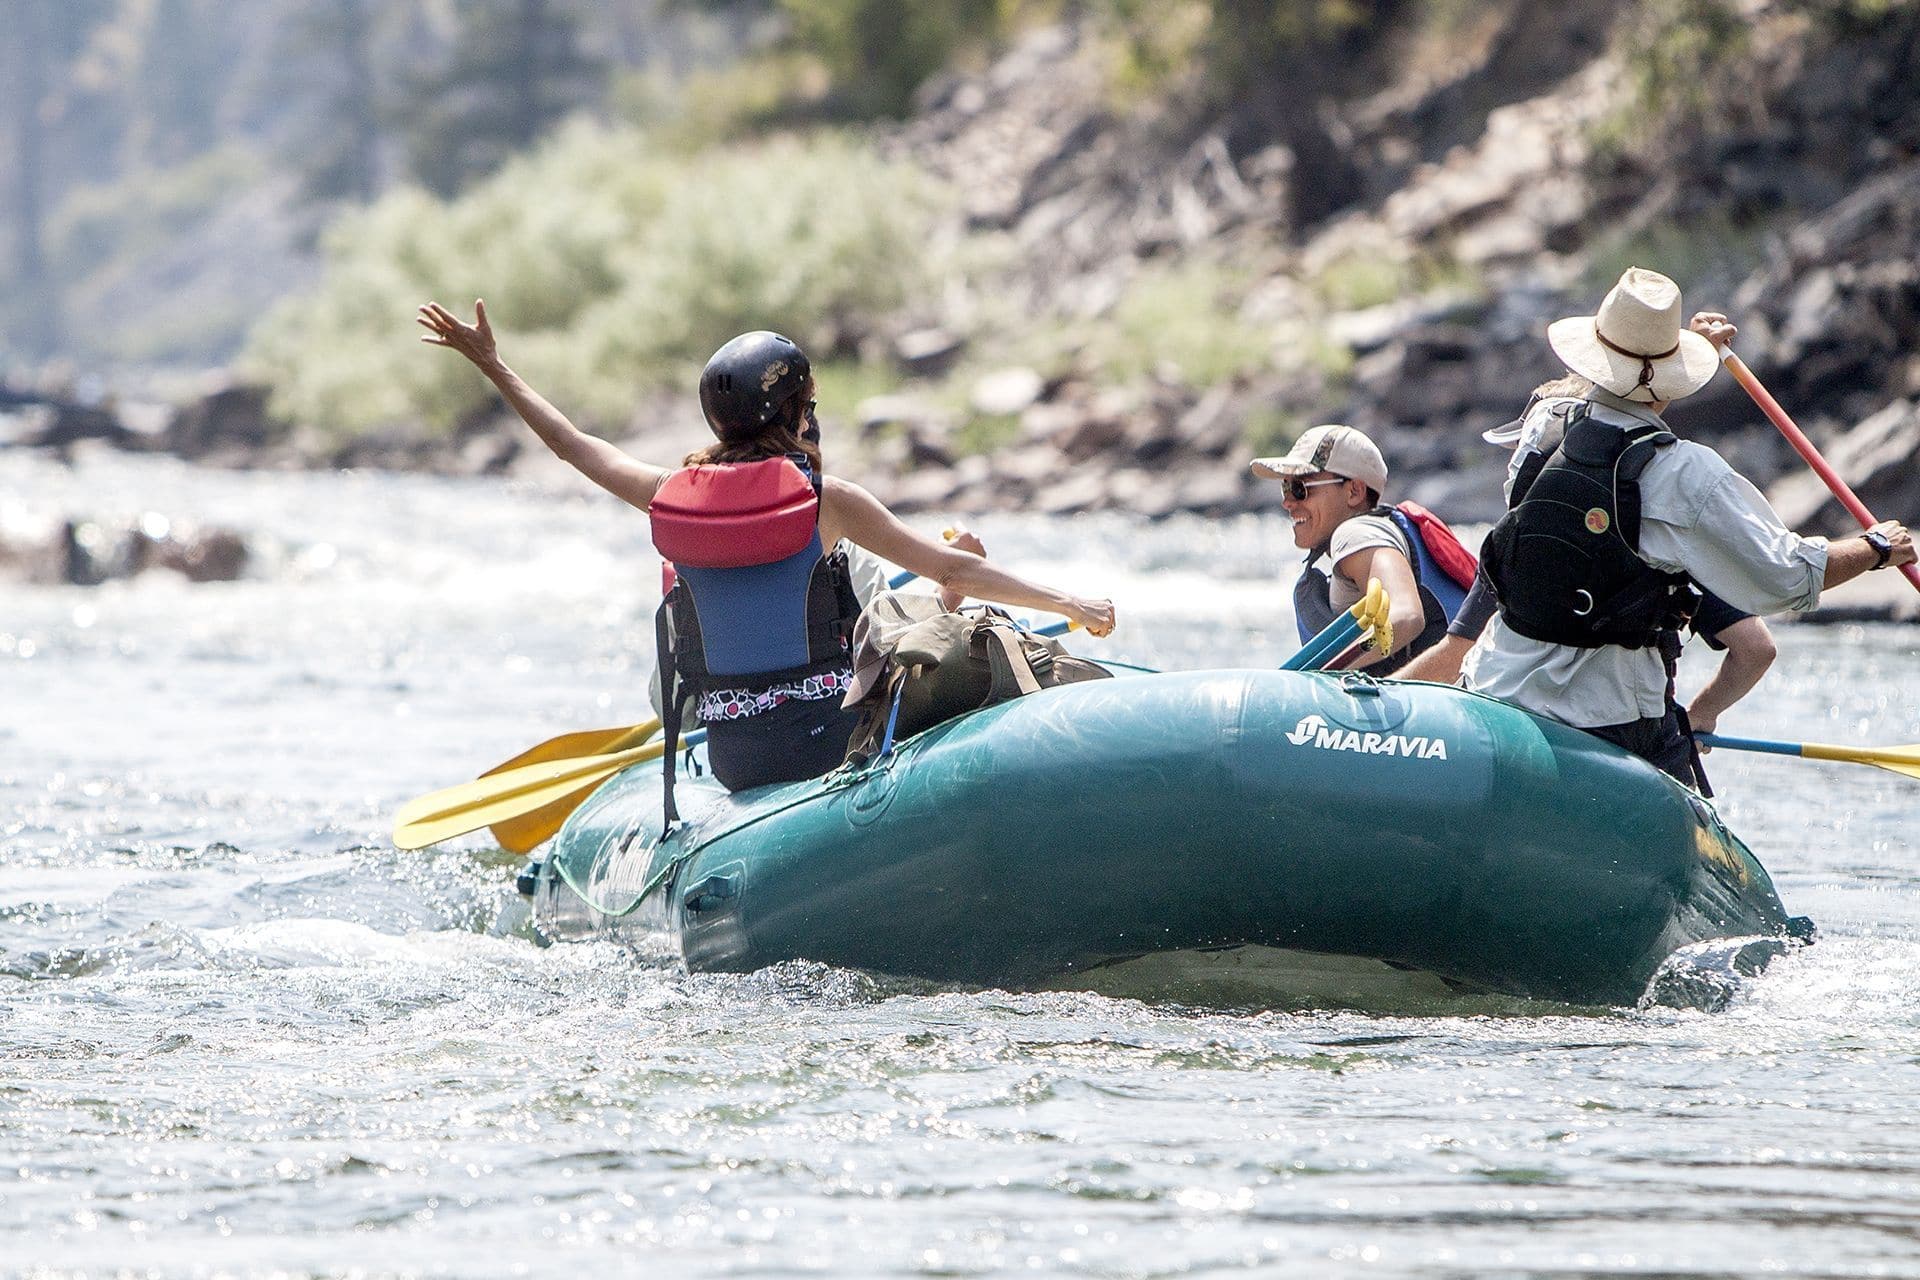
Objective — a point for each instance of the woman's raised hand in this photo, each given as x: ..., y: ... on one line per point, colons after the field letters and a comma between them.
x: 1094, y: 616
x: 444, y: 329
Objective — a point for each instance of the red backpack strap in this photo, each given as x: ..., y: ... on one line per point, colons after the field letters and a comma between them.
x: 1443, y: 544
x: 731, y: 515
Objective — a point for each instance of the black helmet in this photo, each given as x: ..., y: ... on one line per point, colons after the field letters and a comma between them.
x: 746, y: 382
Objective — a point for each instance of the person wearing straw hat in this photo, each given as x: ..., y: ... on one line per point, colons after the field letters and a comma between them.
x: 1744, y: 641
x: 1333, y: 476
x: 1608, y: 533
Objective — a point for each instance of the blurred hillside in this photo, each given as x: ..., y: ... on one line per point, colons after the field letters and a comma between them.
x: 166, y: 165
x: 1064, y: 255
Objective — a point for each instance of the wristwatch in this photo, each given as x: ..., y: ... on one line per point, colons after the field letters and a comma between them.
x: 1882, y: 547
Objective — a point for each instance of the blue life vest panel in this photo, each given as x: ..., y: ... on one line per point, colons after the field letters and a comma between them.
x: 753, y: 619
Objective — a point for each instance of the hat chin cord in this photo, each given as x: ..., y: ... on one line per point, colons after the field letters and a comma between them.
x: 1646, y: 361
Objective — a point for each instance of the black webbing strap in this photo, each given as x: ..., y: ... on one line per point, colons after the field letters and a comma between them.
x: 669, y: 711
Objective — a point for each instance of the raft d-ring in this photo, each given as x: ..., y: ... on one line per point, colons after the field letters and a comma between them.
x: 1358, y: 684
x: 648, y: 849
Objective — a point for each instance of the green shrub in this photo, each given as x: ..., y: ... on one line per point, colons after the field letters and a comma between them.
x: 1707, y: 254
x: 1185, y: 314
x: 1228, y: 47
x: 1678, y: 57
x: 879, y: 52
x: 985, y: 433
x: 1152, y: 44
x: 709, y: 107
x: 1357, y: 280
x: 131, y: 239
x: 608, y: 268
x: 842, y: 385
x: 1271, y: 430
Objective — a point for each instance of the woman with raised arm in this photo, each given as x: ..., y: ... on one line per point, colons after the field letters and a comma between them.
x: 757, y: 626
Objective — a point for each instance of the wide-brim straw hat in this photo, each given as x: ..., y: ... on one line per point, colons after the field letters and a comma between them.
x: 1636, y: 345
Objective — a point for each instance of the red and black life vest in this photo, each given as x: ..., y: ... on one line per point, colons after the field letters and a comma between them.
x: 754, y: 601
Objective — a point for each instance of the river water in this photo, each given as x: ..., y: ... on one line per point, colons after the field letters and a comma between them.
x: 240, y: 1034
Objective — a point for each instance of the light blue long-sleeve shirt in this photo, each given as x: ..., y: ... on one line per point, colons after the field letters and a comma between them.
x: 1698, y: 517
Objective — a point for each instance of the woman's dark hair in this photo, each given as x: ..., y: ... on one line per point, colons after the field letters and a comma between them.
x: 781, y: 436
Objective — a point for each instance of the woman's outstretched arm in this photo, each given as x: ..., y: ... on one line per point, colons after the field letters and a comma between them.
x: 851, y: 512
x: 614, y: 470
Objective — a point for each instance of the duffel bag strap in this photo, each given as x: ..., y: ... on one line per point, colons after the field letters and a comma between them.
x: 1007, y: 659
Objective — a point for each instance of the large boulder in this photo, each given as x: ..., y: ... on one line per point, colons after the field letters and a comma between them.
x: 230, y: 420
x: 86, y: 553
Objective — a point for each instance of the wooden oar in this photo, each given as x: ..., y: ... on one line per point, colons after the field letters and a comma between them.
x: 1904, y: 760
x: 1798, y: 439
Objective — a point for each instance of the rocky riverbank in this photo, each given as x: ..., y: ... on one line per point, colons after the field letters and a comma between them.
x: 1406, y: 253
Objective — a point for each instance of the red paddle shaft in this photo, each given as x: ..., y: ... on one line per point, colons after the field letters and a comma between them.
x: 1798, y: 439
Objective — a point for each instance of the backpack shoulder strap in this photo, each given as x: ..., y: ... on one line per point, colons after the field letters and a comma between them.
x: 669, y: 712
x: 1533, y: 464
x: 1642, y: 445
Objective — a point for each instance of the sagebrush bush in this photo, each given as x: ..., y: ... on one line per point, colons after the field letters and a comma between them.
x: 608, y: 268
x: 1187, y: 315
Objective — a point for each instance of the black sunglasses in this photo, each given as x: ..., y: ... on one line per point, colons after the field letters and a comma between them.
x: 1296, y: 488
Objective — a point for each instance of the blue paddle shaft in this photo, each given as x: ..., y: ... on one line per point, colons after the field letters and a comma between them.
x: 1748, y: 744
x: 1335, y: 636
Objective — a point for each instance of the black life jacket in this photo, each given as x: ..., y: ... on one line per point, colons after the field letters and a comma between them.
x: 1564, y: 560
x: 1441, y: 594
x: 754, y: 600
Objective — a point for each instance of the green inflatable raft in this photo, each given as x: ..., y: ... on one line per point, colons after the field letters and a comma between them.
x: 1280, y: 828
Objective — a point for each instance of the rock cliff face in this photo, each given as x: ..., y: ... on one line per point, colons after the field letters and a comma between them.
x: 1794, y: 208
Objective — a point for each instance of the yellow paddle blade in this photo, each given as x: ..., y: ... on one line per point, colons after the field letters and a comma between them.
x: 587, y: 742
x: 528, y: 831
x: 454, y: 811
x: 1904, y: 760
x: 523, y: 833
x: 1382, y: 637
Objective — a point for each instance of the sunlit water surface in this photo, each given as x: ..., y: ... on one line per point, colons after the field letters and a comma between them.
x: 241, y: 1034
